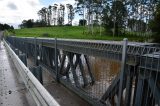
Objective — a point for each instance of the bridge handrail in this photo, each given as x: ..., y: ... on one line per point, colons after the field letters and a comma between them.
x: 41, y: 96
x: 91, y: 47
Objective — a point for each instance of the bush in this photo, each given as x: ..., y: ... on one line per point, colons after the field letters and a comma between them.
x: 45, y: 35
x: 82, y: 22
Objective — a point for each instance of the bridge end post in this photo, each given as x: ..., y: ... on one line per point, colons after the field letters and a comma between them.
x: 123, y: 67
x: 56, y: 61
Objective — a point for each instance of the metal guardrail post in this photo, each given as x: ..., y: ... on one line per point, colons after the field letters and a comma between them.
x: 35, y: 52
x: 123, y: 66
x: 56, y: 61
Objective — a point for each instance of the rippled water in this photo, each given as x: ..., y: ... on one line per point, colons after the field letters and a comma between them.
x: 104, y: 70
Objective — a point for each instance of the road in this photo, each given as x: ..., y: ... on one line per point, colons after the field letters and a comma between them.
x: 12, y: 89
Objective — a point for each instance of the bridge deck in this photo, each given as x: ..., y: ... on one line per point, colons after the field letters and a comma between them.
x: 12, y: 89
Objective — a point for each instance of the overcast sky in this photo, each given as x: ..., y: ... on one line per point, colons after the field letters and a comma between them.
x: 13, y: 12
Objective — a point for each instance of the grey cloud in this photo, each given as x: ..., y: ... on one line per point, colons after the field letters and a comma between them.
x: 32, y: 3
x: 12, y: 6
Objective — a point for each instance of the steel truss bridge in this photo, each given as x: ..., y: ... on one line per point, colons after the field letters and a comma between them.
x: 136, y: 84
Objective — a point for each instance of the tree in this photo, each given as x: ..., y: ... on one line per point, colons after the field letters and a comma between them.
x: 106, y: 16
x: 61, y: 14
x: 43, y: 15
x: 70, y: 14
x: 55, y: 13
x: 82, y: 22
x: 155, y: 24
x: 6, y: 27
x: 97, y: 14
x: 118, y: 14
x: 27, y: 23
x: 86, y: 5
x: 49, y: 14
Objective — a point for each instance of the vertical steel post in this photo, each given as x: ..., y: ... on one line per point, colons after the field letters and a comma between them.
x: 56, y: 61
x: 35, y: 52
x: 123, y: 66
x: 25, y: 45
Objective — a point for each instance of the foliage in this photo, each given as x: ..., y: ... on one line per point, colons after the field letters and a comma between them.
x: 82, y: 22
x: 55, y: 14
x: 6, y: 27
x: 27, y: 23
x: 30, y: 24
x: 118, y: 17
x: 115, y: 15
x: 70, y: 14
x: 155, y: 24
x: 137, y: 25
x: 118, y: 13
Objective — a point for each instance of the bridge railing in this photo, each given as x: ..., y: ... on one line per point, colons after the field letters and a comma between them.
x: 94, y: 69
x: 37, y: 91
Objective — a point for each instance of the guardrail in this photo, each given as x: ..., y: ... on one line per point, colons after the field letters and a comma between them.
x: 38, y: 92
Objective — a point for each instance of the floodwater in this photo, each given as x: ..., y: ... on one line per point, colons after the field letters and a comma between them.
x: 104, y: 71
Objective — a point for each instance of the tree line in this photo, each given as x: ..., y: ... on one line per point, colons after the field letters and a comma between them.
x: 5, y: 27
x: 55, y: 14
x: 30, y: 23
x: 155, y: 24
x: 118, y: 17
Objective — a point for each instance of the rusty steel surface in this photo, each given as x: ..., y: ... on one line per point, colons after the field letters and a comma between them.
x: 12, y: 89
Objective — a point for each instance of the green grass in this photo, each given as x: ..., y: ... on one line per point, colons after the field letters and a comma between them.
x: 74, y: 32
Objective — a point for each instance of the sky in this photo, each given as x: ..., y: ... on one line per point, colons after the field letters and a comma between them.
x: 13, y: 12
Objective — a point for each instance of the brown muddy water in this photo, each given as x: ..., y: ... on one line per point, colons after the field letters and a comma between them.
x: 104, y: 71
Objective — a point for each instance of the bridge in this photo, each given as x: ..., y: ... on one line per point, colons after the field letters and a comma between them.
x: 100, y: 72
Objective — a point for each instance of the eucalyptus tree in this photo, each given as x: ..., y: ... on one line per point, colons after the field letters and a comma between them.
x: 97, y: 12
x: 81, y: 10
x: 107, y: 21
x: 154, y: 23
x: 40, y: 14
x: 70, y: 10
x: 118, y: 14
x: 54, y: 10
x: 43, y: 14
x: 86, y: 5
x: 61, y: 14
x: 49, y: 14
